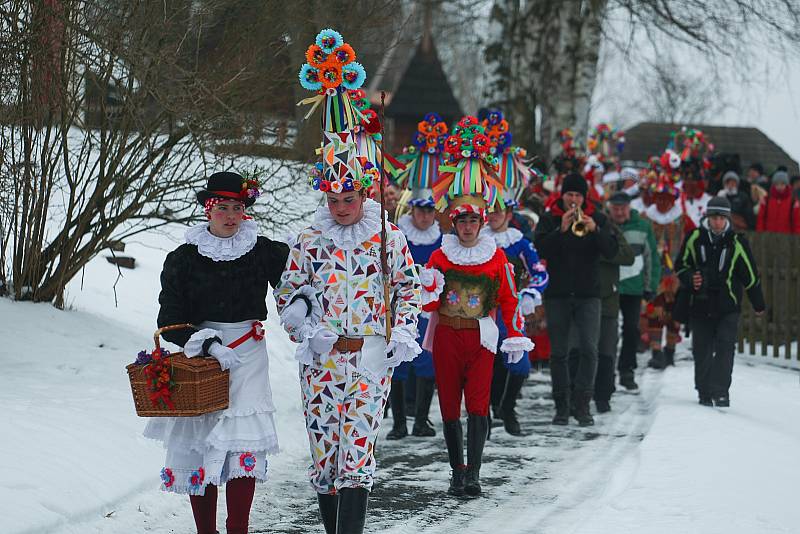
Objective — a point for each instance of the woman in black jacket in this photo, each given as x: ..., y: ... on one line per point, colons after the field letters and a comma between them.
x: 218, y: 281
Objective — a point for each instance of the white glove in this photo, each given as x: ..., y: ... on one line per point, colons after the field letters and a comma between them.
x: 226, y: 356
x: 323, y: 341
x: 515, y: 356
x: 399, y: 352
x: 426, y: 277
x: 294, y: 315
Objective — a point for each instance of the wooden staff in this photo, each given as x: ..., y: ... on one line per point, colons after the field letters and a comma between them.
x: 384, y: 260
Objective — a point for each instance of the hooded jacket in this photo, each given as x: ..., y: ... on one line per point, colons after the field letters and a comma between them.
x: 645, y: 273
x: 779, y: 212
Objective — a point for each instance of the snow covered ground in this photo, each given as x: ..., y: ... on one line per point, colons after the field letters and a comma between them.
x: 74, y: 461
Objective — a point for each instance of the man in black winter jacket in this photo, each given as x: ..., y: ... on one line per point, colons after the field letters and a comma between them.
x: 573, y: 294
x: 715, y: 266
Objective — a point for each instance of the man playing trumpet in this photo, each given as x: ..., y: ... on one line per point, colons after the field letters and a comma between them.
x: 571, y: 237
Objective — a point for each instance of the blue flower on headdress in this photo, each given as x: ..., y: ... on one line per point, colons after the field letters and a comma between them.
x: 328, y: 40
x: 309, y: 78
x: 433, y: 118
x: 353, y: 75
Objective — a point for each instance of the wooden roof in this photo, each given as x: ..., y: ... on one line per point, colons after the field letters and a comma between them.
x: 751, y: 144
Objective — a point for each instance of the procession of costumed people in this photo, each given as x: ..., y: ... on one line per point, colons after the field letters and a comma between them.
x: 453, y: 298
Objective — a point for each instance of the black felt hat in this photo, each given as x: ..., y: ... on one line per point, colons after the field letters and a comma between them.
x: 226, y: 185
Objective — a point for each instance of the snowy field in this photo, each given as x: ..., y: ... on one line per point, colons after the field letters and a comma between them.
x: 74, y: 460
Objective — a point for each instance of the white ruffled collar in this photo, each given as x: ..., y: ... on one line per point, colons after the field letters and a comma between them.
x: 223, y: 248
x: 416, y: 236
x: 482, y: 252
x: 656, y: 216
x: 351, y: 236
x: 504, y: 239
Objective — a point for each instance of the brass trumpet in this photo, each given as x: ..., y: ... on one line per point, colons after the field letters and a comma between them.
x: 578, y: 226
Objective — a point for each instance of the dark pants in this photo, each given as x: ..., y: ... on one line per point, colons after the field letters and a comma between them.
x: 606, y: 357
x: 713, y: 346
x: 631, y: 308
x: 562, y: 314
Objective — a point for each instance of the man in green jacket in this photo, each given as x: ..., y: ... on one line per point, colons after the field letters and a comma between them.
x: 636, y: 282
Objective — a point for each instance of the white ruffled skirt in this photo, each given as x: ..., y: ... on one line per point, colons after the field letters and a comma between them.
x: 217, y: 447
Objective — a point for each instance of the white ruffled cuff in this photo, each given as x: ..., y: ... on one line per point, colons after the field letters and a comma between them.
x: 312, y: 296
x: 304, y: 354
x: 516, y: 344
x: 432, y: 281
x: 194, y: 347
x: 530, y: 299
x: 406, y: 349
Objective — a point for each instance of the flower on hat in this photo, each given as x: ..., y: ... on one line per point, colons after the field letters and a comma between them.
x: 331, y: 64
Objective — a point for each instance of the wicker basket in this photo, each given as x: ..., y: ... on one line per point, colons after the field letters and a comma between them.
x: 201, y: 386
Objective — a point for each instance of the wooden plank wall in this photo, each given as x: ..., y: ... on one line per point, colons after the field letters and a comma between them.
x: 773, y: 335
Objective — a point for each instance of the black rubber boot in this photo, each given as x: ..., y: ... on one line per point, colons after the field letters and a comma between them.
x: 477, y: 430
x: 669, y: 356
x: 328, y: 509
x: 705, y: 400
x: 398, y: 402
x: 507, y: 407
x: 352, y: 513
x: 562, y: 409
x: 499, y: 375
x: 454, y: 439
x: 602, y: 405
x: 657, y: 361
x: 626, y: 380
x: 722, y: 401
x: 422, y: 426
x: 583, y: 412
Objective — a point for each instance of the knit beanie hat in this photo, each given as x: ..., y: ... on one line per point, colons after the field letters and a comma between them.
x: 718, y: 206
x: 730, y: 175
x: 575, y: 183
x: 780, y: 177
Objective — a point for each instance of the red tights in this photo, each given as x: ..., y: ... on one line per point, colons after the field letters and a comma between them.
x: 238, y: 496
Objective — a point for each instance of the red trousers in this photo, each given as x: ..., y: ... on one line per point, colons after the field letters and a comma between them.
x: 238, y: 496
x: 462, y: 365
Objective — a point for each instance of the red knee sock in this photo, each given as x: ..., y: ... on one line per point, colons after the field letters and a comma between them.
x: 204, y: 509
x: 239, y: 497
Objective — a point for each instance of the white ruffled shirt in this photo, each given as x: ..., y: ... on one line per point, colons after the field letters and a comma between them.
x: 351, y: 236
x: 656, y: 216
x: 482, y: 252
x: 415, y: 235
x: 223, y: 248
x: 503, y: 239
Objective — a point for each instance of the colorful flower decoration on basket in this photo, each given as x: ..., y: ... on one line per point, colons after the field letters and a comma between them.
x: 158, y: 372
x: 331, y: 71
x: 470, y: 168
x: 196, y: 478
x: 247, y: 461
x: 167, y: 478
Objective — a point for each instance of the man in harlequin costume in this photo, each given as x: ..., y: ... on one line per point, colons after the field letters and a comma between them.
x: 424, y: 236
x: 667, y: 218
x: 331, y: 301
x: 465, y: 282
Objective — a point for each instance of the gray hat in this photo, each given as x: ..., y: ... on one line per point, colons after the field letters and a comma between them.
x: 620, y: 198
x: 730, y: 175
x: 718, y: 206
x: 780, y: 177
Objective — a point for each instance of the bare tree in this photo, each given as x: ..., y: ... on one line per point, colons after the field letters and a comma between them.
x: 111, y: 113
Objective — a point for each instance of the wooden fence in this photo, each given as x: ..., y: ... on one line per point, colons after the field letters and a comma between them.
x: 777, y: 332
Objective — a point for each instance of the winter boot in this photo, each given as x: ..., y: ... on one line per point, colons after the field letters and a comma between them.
x: 722, y: 401
x: 669, y: 356
x: 422, y: 426
x: 352, y: 512
x: 626, y: 380
x: 582, y: 410
x: 454, y: 439
x: 602, y: 405
x: 477, y: 430
x: 328, y: 506
x: 657, y: 361
x: 562, y: 409
x: 507, y: 407
x: 705, y: 400
x: 398, y: 402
